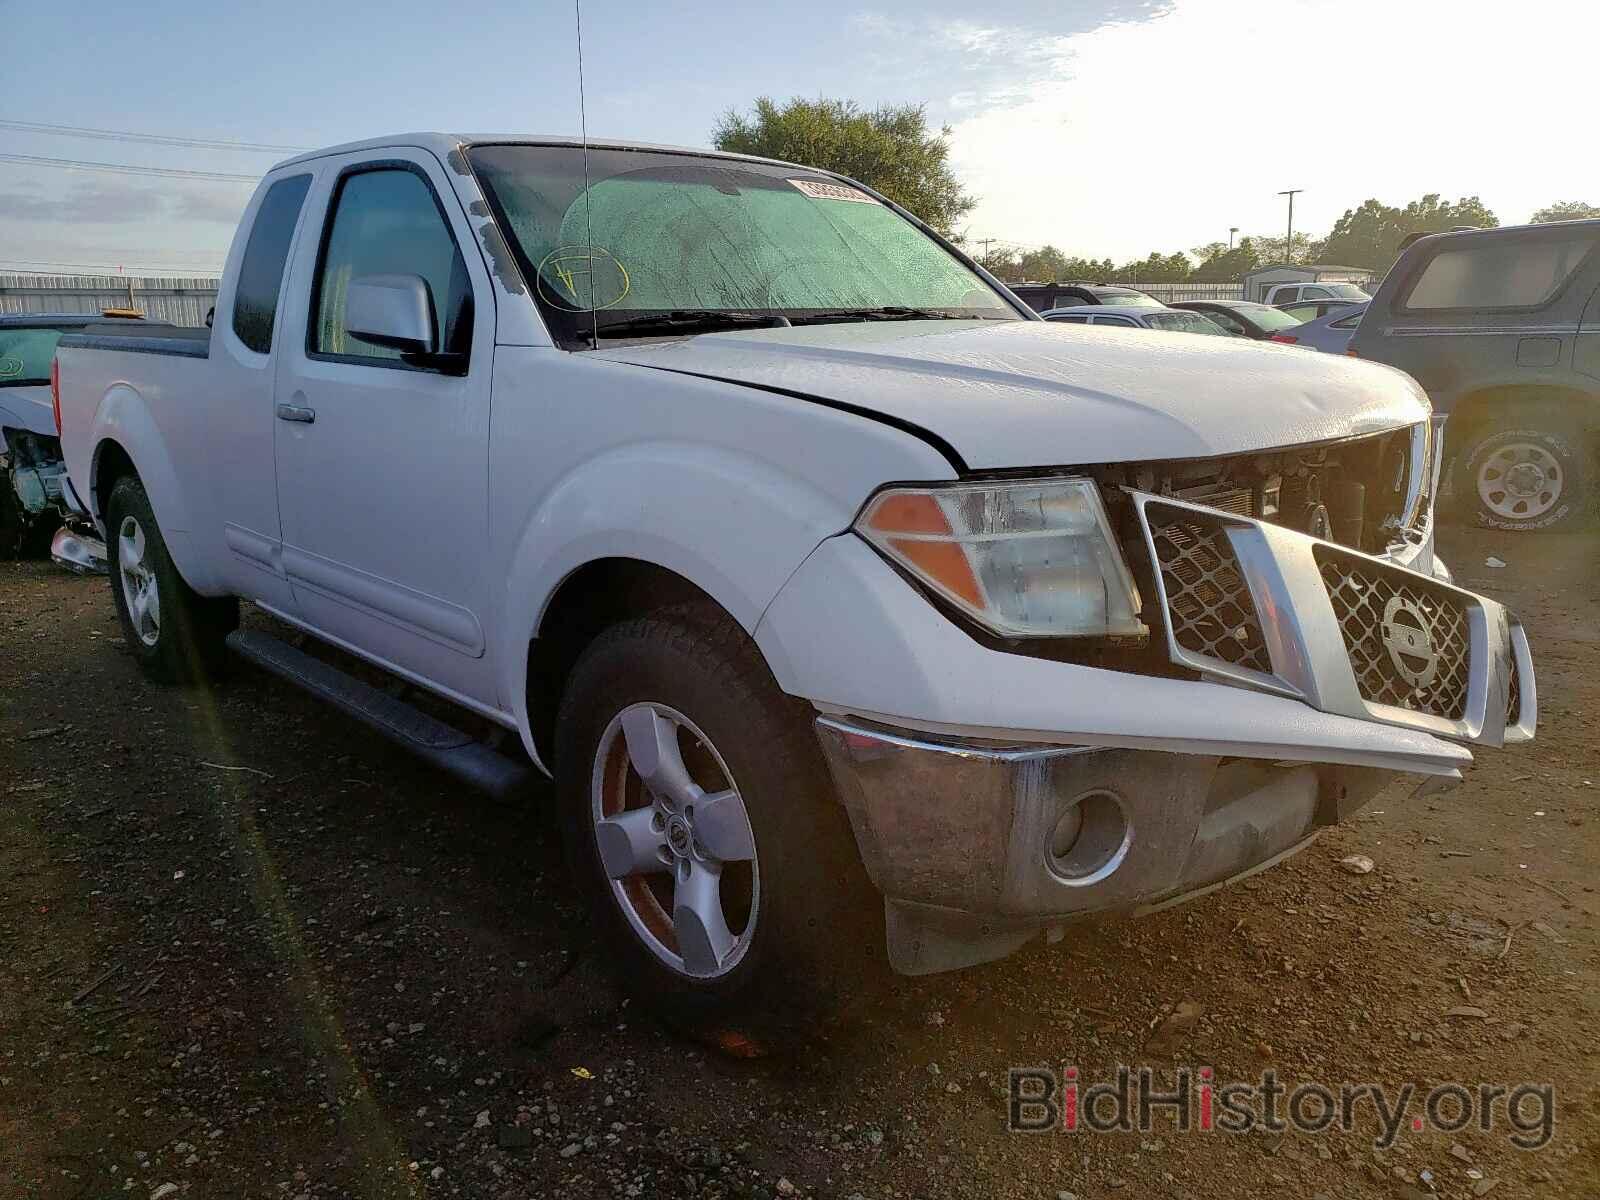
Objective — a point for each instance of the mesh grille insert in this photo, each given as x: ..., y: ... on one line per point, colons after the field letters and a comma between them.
x: 1208, y: 602
x: 1514, y: 696
x: 1407, y: 641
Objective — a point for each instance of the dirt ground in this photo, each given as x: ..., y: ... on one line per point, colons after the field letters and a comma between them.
x: 247, y: 949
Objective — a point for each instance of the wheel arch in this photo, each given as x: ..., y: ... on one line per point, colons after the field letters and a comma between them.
x: 1476, y: 409
x: 589, y: 600
x: 690, y: 519
x: 127, y: 441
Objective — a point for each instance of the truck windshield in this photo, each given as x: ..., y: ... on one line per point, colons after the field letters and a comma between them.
x: 699, y: 237
x: 25, y: 355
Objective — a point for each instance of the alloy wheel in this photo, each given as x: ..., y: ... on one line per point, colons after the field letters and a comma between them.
x: 139, y: 589
x: 675, y: 840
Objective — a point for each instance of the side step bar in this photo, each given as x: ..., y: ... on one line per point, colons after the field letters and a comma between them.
x: 433, y: 741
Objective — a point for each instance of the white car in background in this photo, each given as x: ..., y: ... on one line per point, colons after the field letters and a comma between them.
x: 1167, y: 320
x: 1293, y: 293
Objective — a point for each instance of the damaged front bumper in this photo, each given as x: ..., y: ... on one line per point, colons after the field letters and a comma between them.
x: 994, y: 794
x: 977, y: 846
x: 79, y: 551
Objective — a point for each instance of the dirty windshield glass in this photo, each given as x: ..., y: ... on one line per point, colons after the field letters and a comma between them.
x: 676, y: 234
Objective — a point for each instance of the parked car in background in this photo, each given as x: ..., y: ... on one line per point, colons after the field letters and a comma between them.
x: 863, y: 578
x: 1331, y: 332
x: 1243, y: 318
x: 32, y: 475
x: 1502, y: 327
x: 1168, y: 320
x: 1289, y: 293
x: 1042, y: 297
x: 1310, y: 310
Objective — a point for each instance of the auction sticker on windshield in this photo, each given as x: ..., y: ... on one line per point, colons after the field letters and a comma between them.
x: 819, y: 190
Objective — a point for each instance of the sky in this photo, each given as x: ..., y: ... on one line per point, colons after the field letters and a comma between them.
x: 1108, y: 128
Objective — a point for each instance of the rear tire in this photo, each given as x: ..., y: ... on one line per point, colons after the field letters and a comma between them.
x: 793, y: 921
x: 176, y: 634
x: 1520, y: 473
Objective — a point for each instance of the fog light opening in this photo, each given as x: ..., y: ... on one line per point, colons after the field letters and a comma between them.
x: 1090, y: 839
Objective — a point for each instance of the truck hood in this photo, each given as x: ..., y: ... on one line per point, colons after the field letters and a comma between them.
x: 29, y: 407
x: 1032, y: 393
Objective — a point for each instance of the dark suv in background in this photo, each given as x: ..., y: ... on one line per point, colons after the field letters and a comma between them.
x: 1502, y: 327
x: 1042, y: 297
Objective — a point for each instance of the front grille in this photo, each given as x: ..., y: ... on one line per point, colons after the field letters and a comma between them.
x: 1514, y: 696
x: 1208, y: 602
x: 1407, y: 641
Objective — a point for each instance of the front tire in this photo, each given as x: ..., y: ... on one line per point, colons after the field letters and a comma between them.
x: 1515, y: 475
x: 702, y: 829
x: 175, y: 633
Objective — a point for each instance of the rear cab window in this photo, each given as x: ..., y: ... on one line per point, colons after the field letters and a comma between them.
x: 255, y: 300
x: 1525, y: 271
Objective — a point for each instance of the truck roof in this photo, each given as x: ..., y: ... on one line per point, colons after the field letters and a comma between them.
x: 442, y: 144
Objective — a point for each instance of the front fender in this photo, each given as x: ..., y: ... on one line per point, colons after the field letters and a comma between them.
x: 732, y: 524
x: 123, y: 419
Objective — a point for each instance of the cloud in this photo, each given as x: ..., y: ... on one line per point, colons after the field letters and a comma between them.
x: 1164, y: 124
x: 222, y: 205
x: 91, y: 203
x: 111, y: 203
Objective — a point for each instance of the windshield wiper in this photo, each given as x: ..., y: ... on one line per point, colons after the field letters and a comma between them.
x: 688, y: 320
x: 886, y: 312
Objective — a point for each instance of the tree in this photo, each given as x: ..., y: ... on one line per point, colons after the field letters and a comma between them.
x: 1046, y: 264
x: 889, y: 148
x: 1565, y: 210
x: 1305, y: 249
x: 1157, y: 268
x: 1370, y: 235
x: 1227, y: 266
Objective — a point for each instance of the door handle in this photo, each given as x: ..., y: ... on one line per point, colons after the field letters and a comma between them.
x: 294, y: 412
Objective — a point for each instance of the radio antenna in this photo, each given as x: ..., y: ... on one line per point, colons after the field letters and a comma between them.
x: 588, y: 201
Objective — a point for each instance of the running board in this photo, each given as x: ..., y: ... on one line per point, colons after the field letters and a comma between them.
x: 431, y: 740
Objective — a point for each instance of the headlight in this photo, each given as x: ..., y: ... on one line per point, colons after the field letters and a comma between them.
x: 1027, y: 559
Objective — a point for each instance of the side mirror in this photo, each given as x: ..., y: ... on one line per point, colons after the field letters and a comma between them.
x: 392, y: 311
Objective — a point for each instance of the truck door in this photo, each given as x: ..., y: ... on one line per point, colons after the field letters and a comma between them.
x: 382, y: 459
x: 234, y: 443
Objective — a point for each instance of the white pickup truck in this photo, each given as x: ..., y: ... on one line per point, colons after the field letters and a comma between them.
x: 791, y: 544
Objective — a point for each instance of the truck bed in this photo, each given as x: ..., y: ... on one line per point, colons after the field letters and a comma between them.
x: 148, y: 338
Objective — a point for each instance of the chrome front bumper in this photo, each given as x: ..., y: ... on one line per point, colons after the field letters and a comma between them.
x: 977, y: 846
x: 78, y: 551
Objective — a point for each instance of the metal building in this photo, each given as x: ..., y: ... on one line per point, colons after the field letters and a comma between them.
x: 180, y: 301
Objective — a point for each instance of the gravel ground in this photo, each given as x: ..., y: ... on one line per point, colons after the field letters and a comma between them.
x: 247, y: 949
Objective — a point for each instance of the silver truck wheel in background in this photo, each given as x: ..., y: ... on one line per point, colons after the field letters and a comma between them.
x: 140, y: 591
x: 1527, y: 471
x: 1520, y: 481
x: 675, y: 840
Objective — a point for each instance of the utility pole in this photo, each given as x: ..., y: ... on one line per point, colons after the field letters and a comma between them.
x: 986, y: 242
x: 1232, y: 229
x: 1288, y: 241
